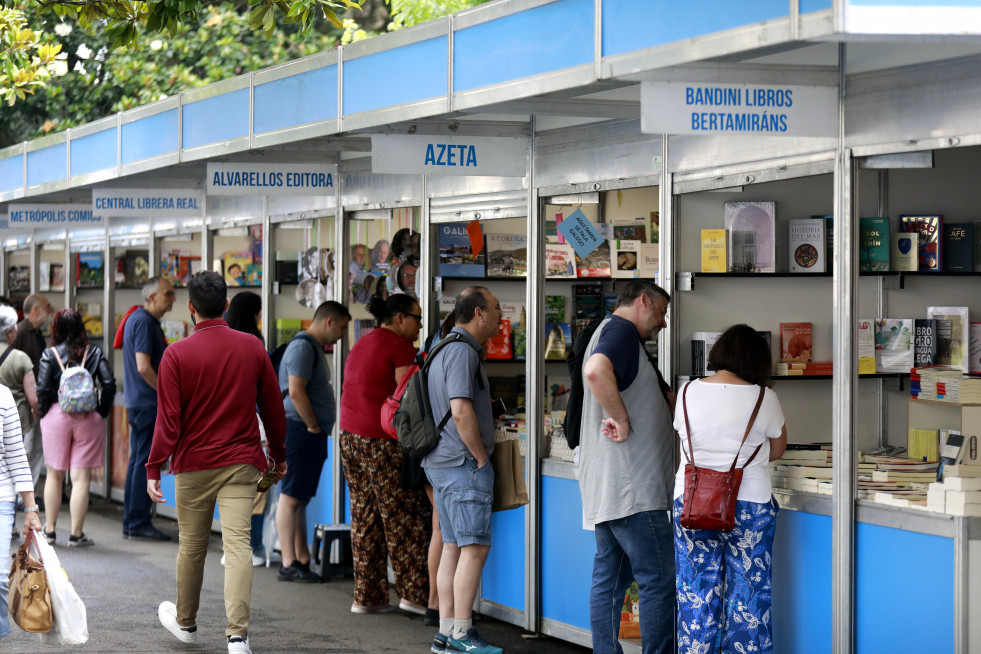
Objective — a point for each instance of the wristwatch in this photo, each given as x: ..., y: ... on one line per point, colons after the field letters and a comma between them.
x: 30, y: 509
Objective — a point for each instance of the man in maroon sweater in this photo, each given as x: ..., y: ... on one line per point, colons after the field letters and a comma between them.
x: 208, y: 387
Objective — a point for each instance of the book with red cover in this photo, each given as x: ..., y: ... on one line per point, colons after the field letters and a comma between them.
x: 498, y: 347
x: 795, y: 341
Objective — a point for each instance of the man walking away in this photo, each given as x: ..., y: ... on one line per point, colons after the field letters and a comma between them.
x: 460, y: 471
x: 304, y: 383
x: 626, y: 472
x: 210, y: 433
x: 143, y: 347
x: 30, y: 340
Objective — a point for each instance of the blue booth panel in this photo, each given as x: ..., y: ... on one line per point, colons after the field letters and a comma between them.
x: 904, y: 591
x: 216, y: 119
x: 295, y: 100
x: 149, y: 137
x: 802, y: 576
x: 531, y: 42
x: 170, y: 495
x: 11, y: 173
x: 412, y: 72
x: 567, y: 554
x: 807, y: 6
x: 47, y: 164
x: 915, y: 3
x: 503, y: 581
x: 94, y: 152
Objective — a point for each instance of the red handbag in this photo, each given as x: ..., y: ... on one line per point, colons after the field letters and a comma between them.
x: 710, y: 495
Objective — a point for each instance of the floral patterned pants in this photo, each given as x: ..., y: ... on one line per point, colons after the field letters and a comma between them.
x: 723, y: 583
x: 386, y: 521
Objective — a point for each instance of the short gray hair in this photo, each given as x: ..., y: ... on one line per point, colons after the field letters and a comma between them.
x: 150, y: 287
x: 8, y: 320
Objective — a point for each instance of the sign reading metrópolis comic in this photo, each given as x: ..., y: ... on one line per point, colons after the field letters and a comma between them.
x: 758, y: 109
x: 270, y: 179
x: 141, y: 202
x: 26, y: 216
x: 495, y: 156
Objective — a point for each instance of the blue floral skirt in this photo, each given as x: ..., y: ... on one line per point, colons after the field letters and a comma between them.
x: 723, y: 583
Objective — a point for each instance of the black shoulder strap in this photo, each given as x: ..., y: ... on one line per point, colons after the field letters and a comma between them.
x: 6, y: 353
x: 452, y: 337
x: 317, y: 349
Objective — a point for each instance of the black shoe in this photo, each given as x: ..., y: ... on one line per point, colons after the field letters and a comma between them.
x: 304, y: 574
x: 432, y: 618
x: 150, y: 533
x: 286, y: 573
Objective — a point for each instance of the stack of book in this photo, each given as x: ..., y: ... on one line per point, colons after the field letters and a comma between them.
x: 804, y: 369
x: 923, y: 380
x: 959, y: 493
x: 961, y: 389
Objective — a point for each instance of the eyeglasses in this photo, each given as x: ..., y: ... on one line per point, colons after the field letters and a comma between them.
x: 416, y: 316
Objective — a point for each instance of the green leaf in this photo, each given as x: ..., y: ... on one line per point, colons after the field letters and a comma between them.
x: 332, y: 18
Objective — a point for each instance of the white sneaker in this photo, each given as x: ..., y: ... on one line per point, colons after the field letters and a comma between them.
x: 258, y: 561
x: 223, y: 559
x: 239, y: 646
x: 168, y: 618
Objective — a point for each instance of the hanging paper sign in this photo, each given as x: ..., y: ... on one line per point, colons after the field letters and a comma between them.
x: 580, y: 233
x: 497, y: 156
x: 26, y: 216
x: 269, y: 179
x: 140, y: 203
x: 758, y: 109
x: 476, y: 234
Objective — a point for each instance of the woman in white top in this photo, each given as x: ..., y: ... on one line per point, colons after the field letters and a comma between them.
x: 15, y: 477
x: 723, y: 579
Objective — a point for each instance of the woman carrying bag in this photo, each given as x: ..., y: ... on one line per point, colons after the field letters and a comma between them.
x: 74, y: 439
x: 723, y: 581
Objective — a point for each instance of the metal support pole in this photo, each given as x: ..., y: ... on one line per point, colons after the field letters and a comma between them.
x: 108, y: 322
x: 341, y: 285
x: 35, y: 268
x: 269, y: 268
x: 207, y: 238
x: 667, y: 345
x: 426, y: 296
x: 3, y: 269
x: 534, y: 394
x: 69, y: 275
x: 153, y: 254
x: 845, y: 380
x: 882, y: 311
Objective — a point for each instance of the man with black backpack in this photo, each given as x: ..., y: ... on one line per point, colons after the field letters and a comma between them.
x: 459, y: 468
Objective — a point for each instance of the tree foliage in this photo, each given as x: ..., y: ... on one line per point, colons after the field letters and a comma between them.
x: 26, y: 61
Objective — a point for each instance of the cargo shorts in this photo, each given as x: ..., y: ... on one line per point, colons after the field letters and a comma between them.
x: 463, y: 496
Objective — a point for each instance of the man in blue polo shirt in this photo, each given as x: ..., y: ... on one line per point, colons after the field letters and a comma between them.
x: 143, y: 346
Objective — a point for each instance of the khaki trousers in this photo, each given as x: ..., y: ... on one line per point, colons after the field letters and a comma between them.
x: 233, y: 488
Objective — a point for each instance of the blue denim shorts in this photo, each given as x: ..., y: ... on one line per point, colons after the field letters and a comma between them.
x: 305, y: 456
x: 463, y: 496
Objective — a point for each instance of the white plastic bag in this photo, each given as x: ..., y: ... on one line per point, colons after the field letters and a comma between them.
x: 69, y: 625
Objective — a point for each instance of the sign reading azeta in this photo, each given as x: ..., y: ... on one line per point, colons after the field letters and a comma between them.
x: 759, y: 109
x: 496, y: 156
x: 25, y: 216
x: 270, y: 179
x: 138, y: 203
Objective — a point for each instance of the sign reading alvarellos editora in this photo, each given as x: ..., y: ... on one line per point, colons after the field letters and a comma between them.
x: 758, y: 109
x: 495, y: 156
x: 139, y: 202
x: 270, y: 179
x: 26, y: 216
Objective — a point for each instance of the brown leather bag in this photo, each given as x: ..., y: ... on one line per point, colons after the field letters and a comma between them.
x: 710, y: 495
x: 28, y: 598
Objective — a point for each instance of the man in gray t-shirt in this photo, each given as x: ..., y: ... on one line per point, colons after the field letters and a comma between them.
x: 459, y: 468
x: 626, y: 471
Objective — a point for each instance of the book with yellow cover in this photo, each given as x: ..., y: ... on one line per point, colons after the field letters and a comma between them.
x: 714, y: 251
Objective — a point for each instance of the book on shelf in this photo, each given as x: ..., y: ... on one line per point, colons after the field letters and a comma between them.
x: 873, y: 244
x: 44, y: 276
x: 923, y: 444
x: 508, y: 389
x: 89, y: 269
x: 554, y: 308
x: 19, y: 279
x: 829, y: 240
x: 795, y: 341
x: 929, y: 243
x: 286, y: 329
x: 587, y: 306
x: 609, y: 302
x: 924, y: 342
x: 136, y: 267
x: 174, y: 330
x: 253, y: 273
x: 514, y: 313
x: 971, y: 471
x: 974, y: 347
x: 866, y: 347
x: 498, y: 347
x: 701, y: 345
x: 751, y: 236
x: 650, y: 260
x: 560, y: 261
x: 807, y: 245
x: 630, y: 228
x: 507, y: 255
x: 235, y: 265
x: 809, y: 368
x: 958, y: 247
x: 558, y: 340
x: 905, y: 251
x: 91, y: 313
x: 57, y: 277
x: 597, y: 263
x: 714, y: 251
x: 626, y: 253
x: 447, y: 303
x: 951, y: 345
x: 952, y: 443
x: 456, y: 255
x: 893, y: 345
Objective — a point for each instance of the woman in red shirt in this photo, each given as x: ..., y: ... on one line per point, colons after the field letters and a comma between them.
x: 386, y: 519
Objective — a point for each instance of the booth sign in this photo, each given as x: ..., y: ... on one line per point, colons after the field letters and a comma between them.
x: 146, y: 203
x: 496, y: 156
x: 27, y: 216
x: 269, y: 179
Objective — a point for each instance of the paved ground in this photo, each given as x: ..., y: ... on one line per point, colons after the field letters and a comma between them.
x: 122, y: 582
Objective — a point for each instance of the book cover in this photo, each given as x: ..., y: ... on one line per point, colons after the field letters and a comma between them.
x: 950, y: 450
x: 701, y: 345
x: 866, y: 347
x: 755, y: 253
x: 795, y: 342
x: 19, y: 279
x: 924, y: 342
x: 650, y: 260
x: 253, y: 274
x: 498, y: 347
x: 714, y: 251
x: 91, y: 313
x: 560, y: 261
x: 893, y: 345
x: 974, y: 347
x: 873, y: 244
x: 627, y: 258
x: 507, y: 255
x: 609, y: 302
x: 558, y: 340
x: 44, y: 276
x: 57, y: 282
x: 236, y: 268
x: 807, y: 245
x: 136, y: 267
x: 89, y: 269
x: 904, y: 251
x: 555, y: 308
x: 829, y: 240
x: 922, y: 445
x: 514, y: 313
x: 286, y: 329
x: 596, y: 263
x: 187, y: 266
x: 456, y: 257
x: 958, y: 247
x: 507, y: 389
x: 952, y: 348
x: 174, y: 330
x: 630, y: 229
x: 930, y: 244
x: 447, y: 303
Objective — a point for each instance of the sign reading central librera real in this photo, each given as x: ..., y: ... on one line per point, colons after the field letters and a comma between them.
x: 270, y: 179
x: 26, y: 216
x: 497, y: 156
x: 757, y: 109
x: 139, y: 203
